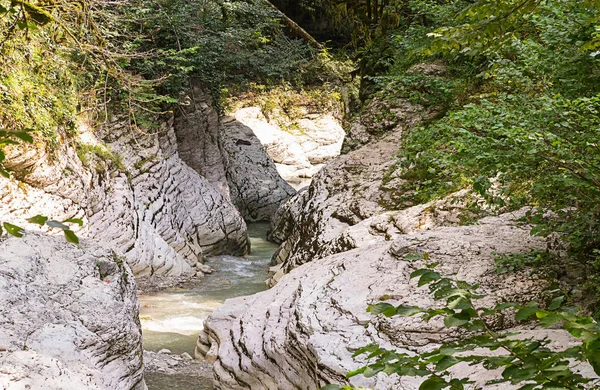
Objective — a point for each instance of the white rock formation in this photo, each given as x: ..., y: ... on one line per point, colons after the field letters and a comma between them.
x: 302, y: 333
x: 198, y: 131
x: 162, y: 199
x: 348, y: 190
x: 68, y: 317
x: 300, y: 150
x: 135, y: 193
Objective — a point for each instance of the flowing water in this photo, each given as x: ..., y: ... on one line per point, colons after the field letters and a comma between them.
x: 173, y: 318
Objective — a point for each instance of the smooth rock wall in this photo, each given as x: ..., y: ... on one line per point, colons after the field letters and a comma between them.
x: 255, y: 186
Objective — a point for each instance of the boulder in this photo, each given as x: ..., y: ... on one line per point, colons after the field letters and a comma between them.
x: 68, y: 317
x: 256, y: 188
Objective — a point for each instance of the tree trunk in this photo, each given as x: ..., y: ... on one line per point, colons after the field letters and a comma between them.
x: 296, y: 29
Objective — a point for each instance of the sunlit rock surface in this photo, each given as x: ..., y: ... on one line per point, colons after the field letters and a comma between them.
x: 350, y: 189
x: 68, y: 317
x: 299, y: 148
x: 302, y: 333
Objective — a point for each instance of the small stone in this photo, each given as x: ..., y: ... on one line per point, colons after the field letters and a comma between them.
x: 164, y: 351
x: 172, y: 362
x: 205, y: 268
x: 187, y: 356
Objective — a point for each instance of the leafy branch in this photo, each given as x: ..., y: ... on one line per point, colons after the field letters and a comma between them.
x: 528, y: 362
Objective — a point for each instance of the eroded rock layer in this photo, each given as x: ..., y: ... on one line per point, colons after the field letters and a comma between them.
x: 161, y: 199
x: 68, y: 317
x: 256, y: 188
x: 135, y: 193
x: 302, y: 333
x: 348, y: 190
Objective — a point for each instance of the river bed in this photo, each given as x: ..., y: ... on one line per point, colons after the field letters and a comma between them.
x: 173, y: 318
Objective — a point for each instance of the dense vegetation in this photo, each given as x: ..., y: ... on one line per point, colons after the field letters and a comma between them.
x: 523, y: 126
x: 518, y: 99
x: 64, y: 62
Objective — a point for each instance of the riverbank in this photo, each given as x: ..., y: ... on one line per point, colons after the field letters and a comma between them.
x: 173, y: 311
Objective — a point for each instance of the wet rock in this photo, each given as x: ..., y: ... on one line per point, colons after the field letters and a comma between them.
x: 68, y: 317
x: 205, y: 268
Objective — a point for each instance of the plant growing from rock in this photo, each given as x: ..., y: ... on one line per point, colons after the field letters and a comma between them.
x: 15, y: 138
x: 527, y: 362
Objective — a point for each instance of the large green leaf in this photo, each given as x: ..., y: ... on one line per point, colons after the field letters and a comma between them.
x: 22, y: 135
x: 452, y: 321
x: 382, y: 308
x: 446, y: 362
x: 71, y: 237
x: 592, y: 354
x: 407, y: 311
x: 434, y: 383
x: 13, y: 230
x: 38, y: 220
x: 526, y: 312
x: 78, y: 221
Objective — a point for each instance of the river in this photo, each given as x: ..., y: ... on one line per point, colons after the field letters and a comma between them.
x: 173, y: 318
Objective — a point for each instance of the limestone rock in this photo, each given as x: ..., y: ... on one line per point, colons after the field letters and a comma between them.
x: 342, y: 194
x: 256, y: 187
x: 353, y: 188
x: 68, y: 317
x: 135, y: 194
x: 197, y: 128
x: 299, y: 149
x: 302, y: 333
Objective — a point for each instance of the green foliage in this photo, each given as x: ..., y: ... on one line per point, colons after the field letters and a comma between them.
x: 102, y: 155
x: 231, y: 42
x: 428, y: 91
x: 512, y: 262
x: 521, y: 96
x: 70, y: 236
x: 528, y: 362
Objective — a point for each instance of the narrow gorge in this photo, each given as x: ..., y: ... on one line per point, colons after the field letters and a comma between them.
x: 280, y: 195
